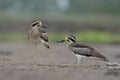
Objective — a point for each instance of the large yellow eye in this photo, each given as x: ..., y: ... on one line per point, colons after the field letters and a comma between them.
x: 66, y: 38
x: 40, y: 24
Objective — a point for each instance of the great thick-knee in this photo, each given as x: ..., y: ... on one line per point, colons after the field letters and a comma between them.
x: 81, y: 50
x: 38, y: 34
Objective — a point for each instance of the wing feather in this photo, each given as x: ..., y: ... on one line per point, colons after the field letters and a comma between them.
x: 87, y: 51
x: 43, y: 35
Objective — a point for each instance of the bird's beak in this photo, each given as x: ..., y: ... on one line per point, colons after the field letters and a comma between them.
x: 60, y: 41
x: 44, y: 26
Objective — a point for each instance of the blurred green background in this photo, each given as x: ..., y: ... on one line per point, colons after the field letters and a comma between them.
x: 92, y: 21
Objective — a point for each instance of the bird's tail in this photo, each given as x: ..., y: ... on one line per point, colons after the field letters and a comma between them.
x: 97, y: 54
x: 46, y: 45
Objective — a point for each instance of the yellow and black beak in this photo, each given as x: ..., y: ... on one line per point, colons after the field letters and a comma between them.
x: 61, y: 41
x: 44, y: 26
x: 40, y: 24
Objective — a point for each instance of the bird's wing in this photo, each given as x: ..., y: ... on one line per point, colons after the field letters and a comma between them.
x: 83, y: 46
x: 88, y: 51
x: 43, y: 35
x: 81, y: 50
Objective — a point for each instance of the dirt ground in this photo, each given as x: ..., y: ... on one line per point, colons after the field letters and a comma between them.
x: 21, y: 61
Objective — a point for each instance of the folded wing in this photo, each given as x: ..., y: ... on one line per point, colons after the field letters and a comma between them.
x: 87, y: 51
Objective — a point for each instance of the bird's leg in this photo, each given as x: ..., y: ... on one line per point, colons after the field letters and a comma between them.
x: 38, y: 52
x: 79, y: 59
x: 35, y: 55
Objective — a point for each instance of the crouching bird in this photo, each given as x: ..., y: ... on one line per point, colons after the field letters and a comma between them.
x: 38, y: 34
x: 81, y: 50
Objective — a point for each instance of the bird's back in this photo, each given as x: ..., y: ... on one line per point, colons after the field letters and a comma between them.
x: 85, y: 50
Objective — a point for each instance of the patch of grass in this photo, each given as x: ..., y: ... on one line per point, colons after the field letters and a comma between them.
x: 87, y: 36
x: 57, y: 36
x: 98, y: 37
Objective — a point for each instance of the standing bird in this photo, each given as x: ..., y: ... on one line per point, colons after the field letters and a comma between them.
x: 81, y: 50
x: 38, y: 34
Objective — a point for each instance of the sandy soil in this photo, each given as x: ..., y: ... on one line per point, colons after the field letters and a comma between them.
x: 21, y: 61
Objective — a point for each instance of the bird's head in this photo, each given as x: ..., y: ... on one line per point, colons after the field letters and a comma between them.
x: 39, y: 24
x: 69, y: 39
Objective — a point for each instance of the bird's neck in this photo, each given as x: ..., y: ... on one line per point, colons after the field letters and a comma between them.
x: 70, y: 45
x: 71, y: 42
x: 35, y: 28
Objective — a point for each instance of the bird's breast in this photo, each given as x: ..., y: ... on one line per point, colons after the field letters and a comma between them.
x: 35, y: 35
